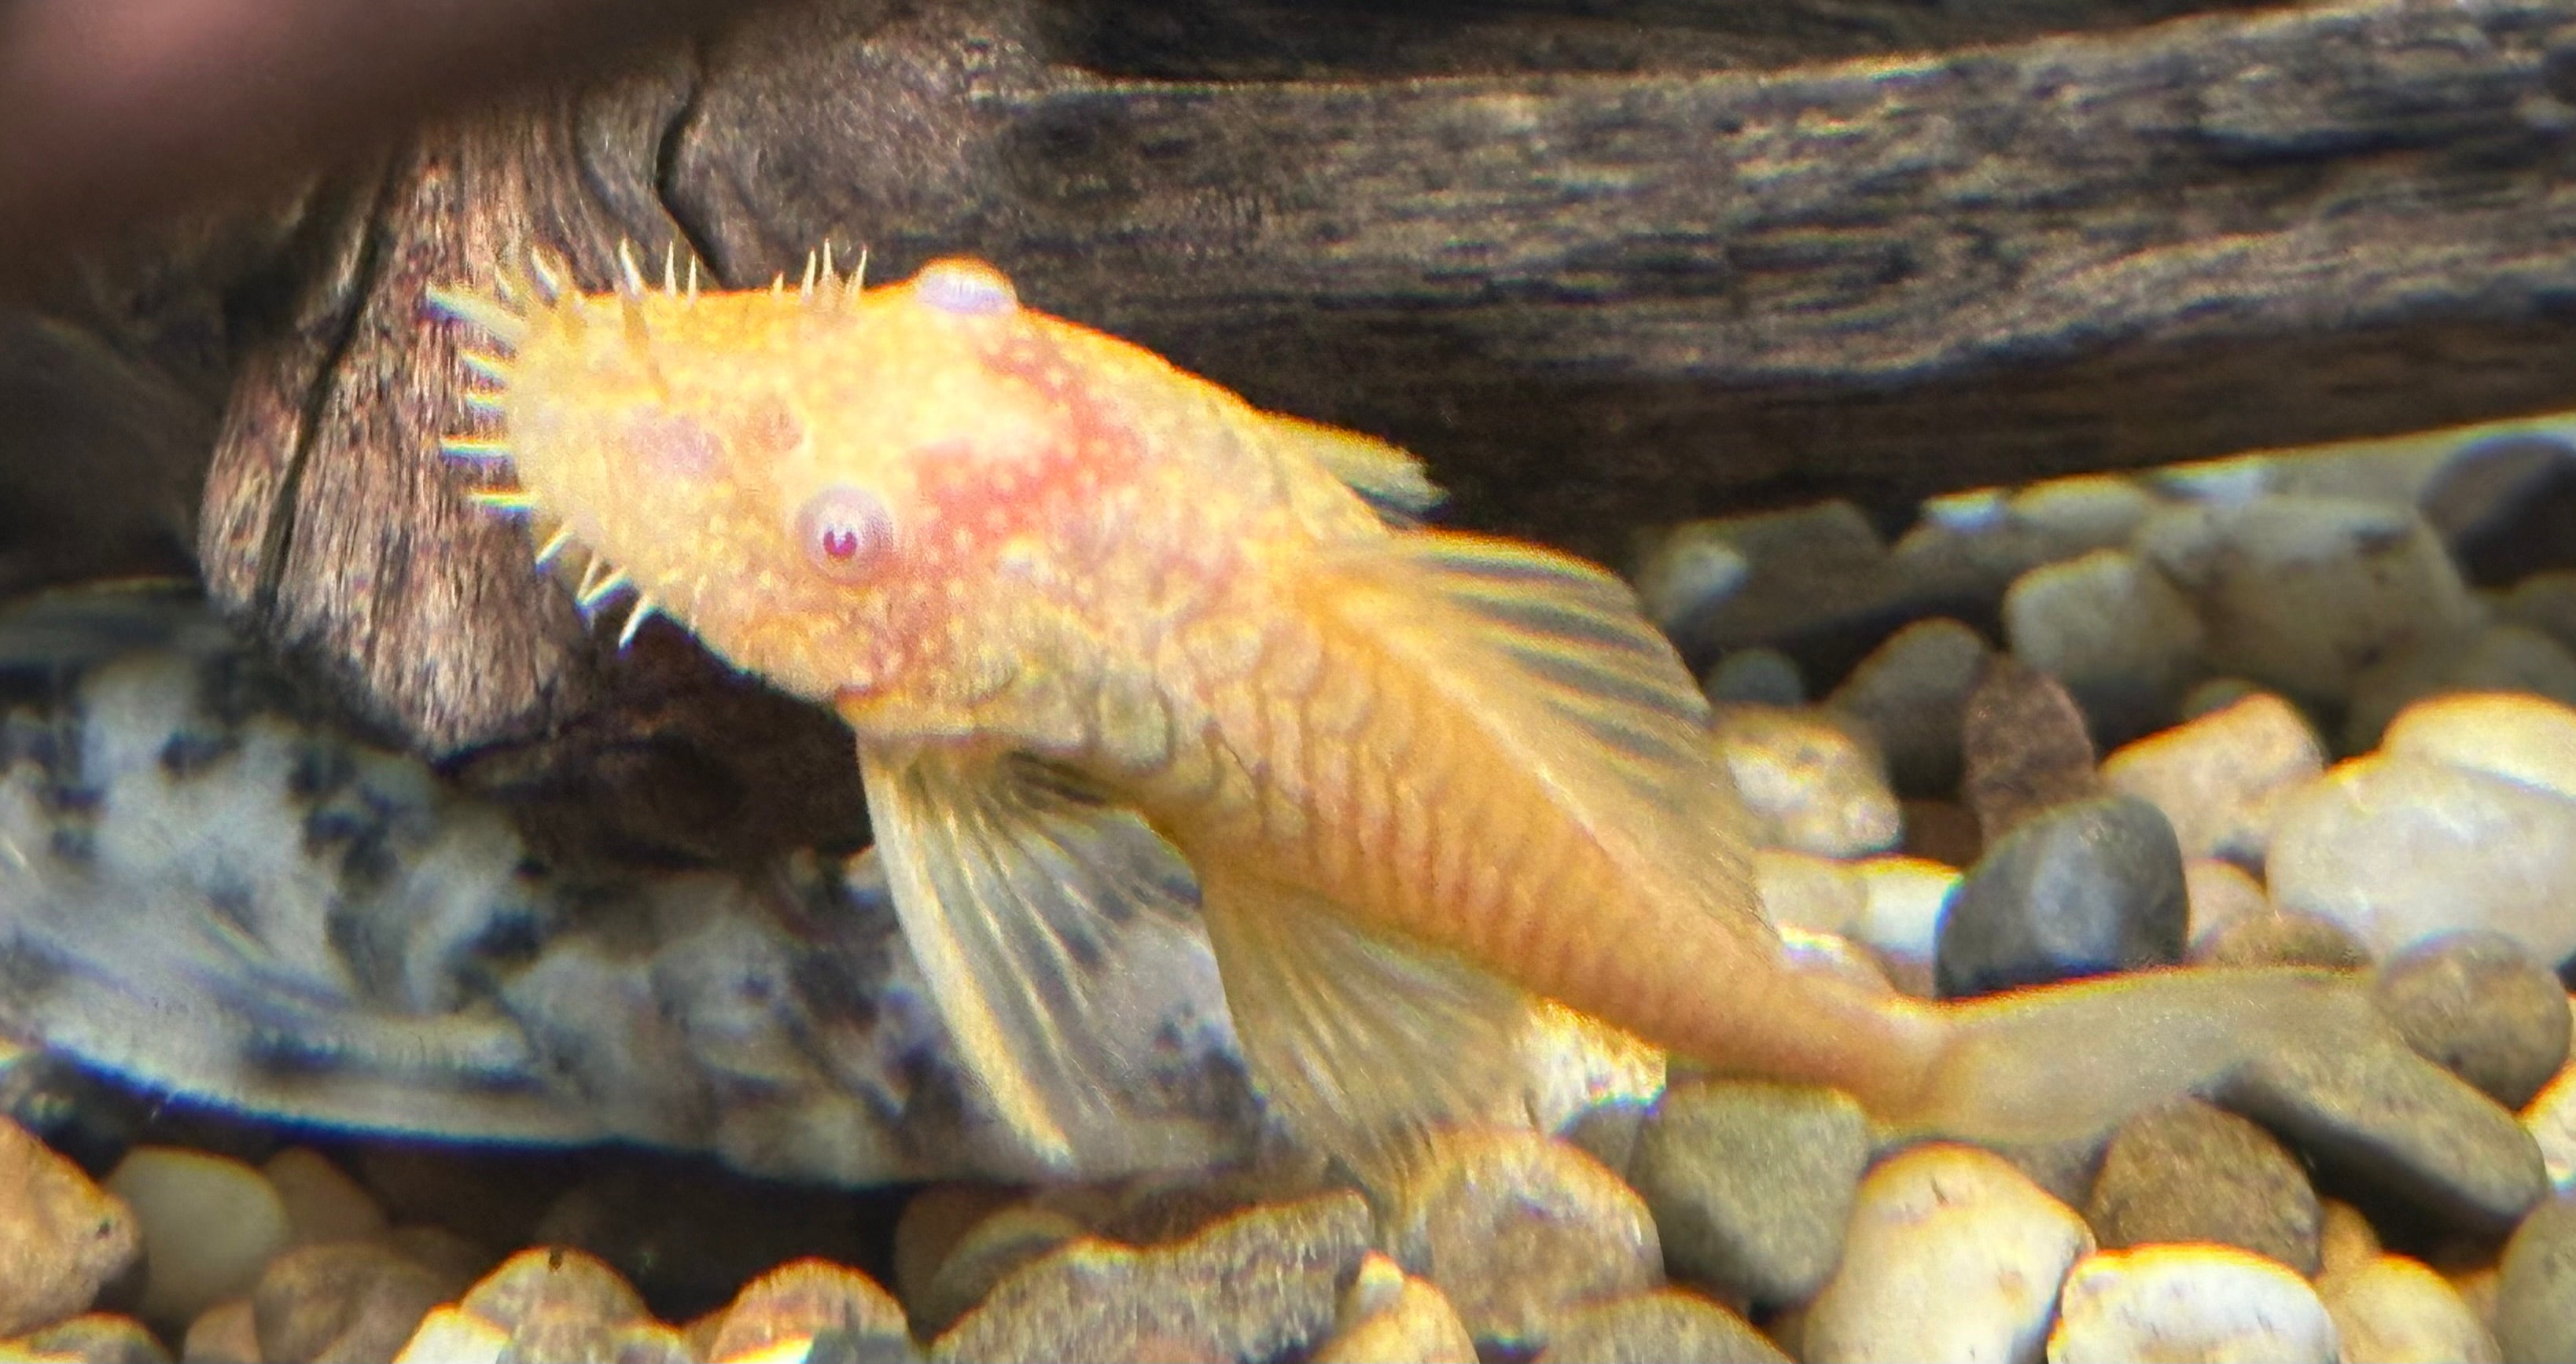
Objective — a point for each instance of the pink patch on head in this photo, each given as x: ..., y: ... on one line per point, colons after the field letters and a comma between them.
x: 968, y: 288
x: 846, y: 534
x: 673, y: 445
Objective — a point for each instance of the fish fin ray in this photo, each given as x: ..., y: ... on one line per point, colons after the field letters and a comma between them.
x: 1364, y: 1046
x: 1385, y: 476
x: 1015, y: 890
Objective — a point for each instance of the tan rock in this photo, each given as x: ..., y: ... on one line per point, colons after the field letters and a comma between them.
x: 61, y: 1236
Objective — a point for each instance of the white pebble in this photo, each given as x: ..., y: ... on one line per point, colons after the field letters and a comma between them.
x: 1810, y: 784
x: 1952, y: 1254
x: 2397, y: 849
x: 2302, y: 593
x: 2107, y: 625
x: 210, y: 1224
x: 1902, y: 911
x: 2393, y: 1310
x: 2219, y: 779
x: 2522, y: 738
x: 2189, y: 1302
x: 2220, y: 893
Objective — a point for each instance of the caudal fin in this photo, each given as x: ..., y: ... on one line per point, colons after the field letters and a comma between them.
x: 2069, y: 1061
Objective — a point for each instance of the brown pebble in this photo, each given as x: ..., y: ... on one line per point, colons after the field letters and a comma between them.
x: 343, y: 1300
x: 553, y: 1280
x: 2345, y: 1238
x: 2476, y: 1004
x: 1661, y: 1327
x: 225, y: 1333
x: 1515, y: 1227
x: 2024, y: 746
x: 1942, y: 831
x: 1253, y: 1286
x: 990, y: 1250
x: 805, y: 1298
x: 1389, y: 1317
x: 322, y: 1202
x: 61, y: 1236
x: 94, y: 1338
x: 932, y: 1223
x: 2186, y: 1171
x: 2282, y: 938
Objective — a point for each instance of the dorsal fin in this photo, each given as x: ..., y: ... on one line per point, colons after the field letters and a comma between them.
x: 1385, y: 476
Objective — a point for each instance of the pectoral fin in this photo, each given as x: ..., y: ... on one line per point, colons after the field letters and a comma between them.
x: 1021, y: 898
x: 1363, y: 1045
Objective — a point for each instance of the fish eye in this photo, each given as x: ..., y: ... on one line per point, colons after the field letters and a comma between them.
x: 846, y: 532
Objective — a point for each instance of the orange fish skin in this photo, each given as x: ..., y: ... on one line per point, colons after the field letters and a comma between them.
x: 977, y: 530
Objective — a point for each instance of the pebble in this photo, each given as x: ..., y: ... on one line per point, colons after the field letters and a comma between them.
x: 2545, y: 601
x: 2185, y: 1171
x: 989, y: 1250
x: 1690, y: 573
x: 2501, y: 502
x: 1756, y: 676
x: 2477, y: 1005
x: 2023, y: 747
x: 2521, y: 738
x: 225, y: 1333
x: 1252, y: 1286
x: 336, y: 1300
x: 2393, y: 1310
x: 452, y: 1335
x: 2219, y: 778
x: 2399, y: 849
x: 1782, y: 578
x: 61, y: 1237
x: 2283, y: 938
x: 2221, y: 895
x: 2109, y: 628
x: 1751, y: 1184
x: 1953, y: 1254
x: 1514, y: 1227
x: 2362, y: 1105
x: 1666, y: 1326
x: 2189, y: 1302
x: 2088, y: 887
x: 210, y: 1223
x: 2536, y: 1286
x: 2302, y: 593
x: 1390, y: 1317
x: 553, y: 1302
x: 2497, y: 657
x: 2551, y: 1120
x: 322, y: 1202
x: 2345, y: 1238
x: 1903, y: 899
x: 1810, y: 785
x: 94, y: 1338
x: 809, y: 1297
x: 1910, y: 693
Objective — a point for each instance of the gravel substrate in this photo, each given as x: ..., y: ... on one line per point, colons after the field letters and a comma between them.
x: 2248, y: 712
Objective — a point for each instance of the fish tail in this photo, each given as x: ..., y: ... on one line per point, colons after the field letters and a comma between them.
x: 2063, y: 1062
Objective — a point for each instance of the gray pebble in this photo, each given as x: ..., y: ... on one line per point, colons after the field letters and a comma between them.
x: 2024, y: 746
x: 2079, y: 890
x: 2535, y: 1316
x: 2185, y: 1171
x: 1911, y: 692
x: 1253, y: 1286
x: 1757, y: 676
x: 1667, y: 1326
x: 2477, y: 1004
x: 2362, y: 1105
x: 1751, y: 1184
x: 2546, y: 602
x: 2499, y: 657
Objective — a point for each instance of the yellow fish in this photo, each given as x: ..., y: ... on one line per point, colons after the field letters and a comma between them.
x: 1078, y: 605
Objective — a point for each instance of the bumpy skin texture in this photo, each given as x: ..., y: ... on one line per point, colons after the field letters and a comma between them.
x: 1064, y: 592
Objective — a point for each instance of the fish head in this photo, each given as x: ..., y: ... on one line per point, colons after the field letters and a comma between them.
x: 849, y: 492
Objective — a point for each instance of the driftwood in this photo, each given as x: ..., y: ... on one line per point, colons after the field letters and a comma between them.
x: 1592, y: 300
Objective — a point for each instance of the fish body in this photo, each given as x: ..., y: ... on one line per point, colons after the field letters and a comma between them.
x: 1085, y: 611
